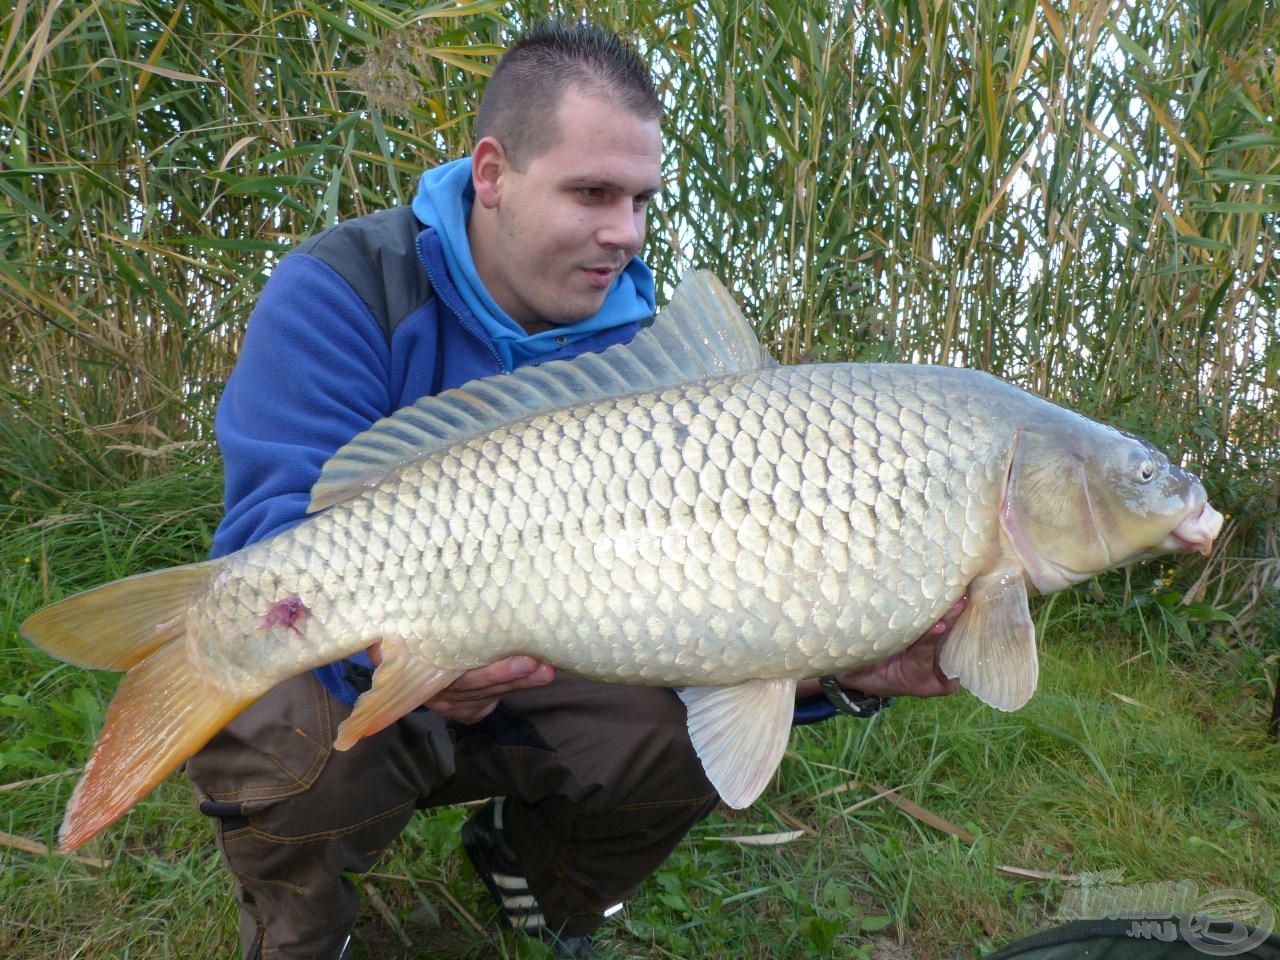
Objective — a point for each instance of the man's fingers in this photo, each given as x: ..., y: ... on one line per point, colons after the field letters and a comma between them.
x: 502, y: 676
x: 949, y: 619
x: 474, y: 695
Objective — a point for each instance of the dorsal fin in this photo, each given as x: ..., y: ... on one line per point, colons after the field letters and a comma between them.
x: 700, y: 333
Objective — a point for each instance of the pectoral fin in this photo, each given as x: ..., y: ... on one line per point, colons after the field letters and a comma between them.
x: 740, y: 734
x: 401, y: 684
x: 992, y: 647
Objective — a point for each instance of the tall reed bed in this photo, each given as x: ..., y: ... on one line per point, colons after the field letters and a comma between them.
x: 1081, y: 196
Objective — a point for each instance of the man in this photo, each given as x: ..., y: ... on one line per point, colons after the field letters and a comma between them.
x: 523, y: 252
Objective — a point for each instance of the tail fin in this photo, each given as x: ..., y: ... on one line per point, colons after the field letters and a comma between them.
x: 165, y: 708
x: 162, y: 713
x: 114, y: 626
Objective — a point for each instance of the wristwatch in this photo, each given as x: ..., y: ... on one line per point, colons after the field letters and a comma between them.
x: 853, y: 702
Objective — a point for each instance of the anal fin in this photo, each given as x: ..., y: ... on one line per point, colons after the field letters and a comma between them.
x: 992, y: 647
x: 740, y: 734
x: 401, y: 684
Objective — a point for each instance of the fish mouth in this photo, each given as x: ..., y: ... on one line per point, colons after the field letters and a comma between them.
x: 1195, y: 533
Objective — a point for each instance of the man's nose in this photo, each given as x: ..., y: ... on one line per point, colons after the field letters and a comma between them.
x: 623, y: 228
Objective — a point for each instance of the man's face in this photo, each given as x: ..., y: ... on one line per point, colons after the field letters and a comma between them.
x: 566, y: 226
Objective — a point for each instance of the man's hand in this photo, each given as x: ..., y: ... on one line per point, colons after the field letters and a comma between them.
x: 475, y: 694
x: 912, y: 673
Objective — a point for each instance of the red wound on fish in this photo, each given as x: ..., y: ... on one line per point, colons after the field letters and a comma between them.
x: 289, y: 612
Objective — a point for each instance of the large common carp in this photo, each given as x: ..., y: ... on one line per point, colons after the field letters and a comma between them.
x: 677, y: 511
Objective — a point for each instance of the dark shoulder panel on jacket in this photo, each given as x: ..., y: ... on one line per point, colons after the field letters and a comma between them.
x: 377, y: 255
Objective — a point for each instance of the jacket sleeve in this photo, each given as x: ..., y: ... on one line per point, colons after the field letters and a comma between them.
x: 312, y: 373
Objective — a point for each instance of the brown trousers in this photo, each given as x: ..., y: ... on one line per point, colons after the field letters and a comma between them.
x: 601, y: 779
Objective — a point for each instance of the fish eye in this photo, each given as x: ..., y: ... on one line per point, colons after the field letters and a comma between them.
x: 1144, y: 463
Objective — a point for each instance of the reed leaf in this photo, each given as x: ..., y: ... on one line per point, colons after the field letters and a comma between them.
x: 1080, y: 196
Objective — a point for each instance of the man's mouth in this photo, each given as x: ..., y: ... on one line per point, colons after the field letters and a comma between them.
x: 601, y: 276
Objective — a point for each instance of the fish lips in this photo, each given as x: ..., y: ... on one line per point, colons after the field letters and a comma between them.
x: 1195, y: 533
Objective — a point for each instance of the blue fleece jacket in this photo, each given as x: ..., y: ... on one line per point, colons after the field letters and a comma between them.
x: 318, y: 365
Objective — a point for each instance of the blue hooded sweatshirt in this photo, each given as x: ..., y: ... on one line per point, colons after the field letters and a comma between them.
x: 444, y: 201
x: 359, y: 321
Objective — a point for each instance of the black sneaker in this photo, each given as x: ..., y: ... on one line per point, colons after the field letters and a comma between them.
x: 495, y: 863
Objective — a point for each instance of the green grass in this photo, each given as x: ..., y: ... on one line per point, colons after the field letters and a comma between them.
x: 1139, y: 756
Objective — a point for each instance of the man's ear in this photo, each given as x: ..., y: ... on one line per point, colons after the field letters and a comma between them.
x: 488, y: 166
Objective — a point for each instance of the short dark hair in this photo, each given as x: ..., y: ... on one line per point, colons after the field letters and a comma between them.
x: 521, y: 98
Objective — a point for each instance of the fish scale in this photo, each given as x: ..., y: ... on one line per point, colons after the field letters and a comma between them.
x: 675, y: 511
x: 751, y: 532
